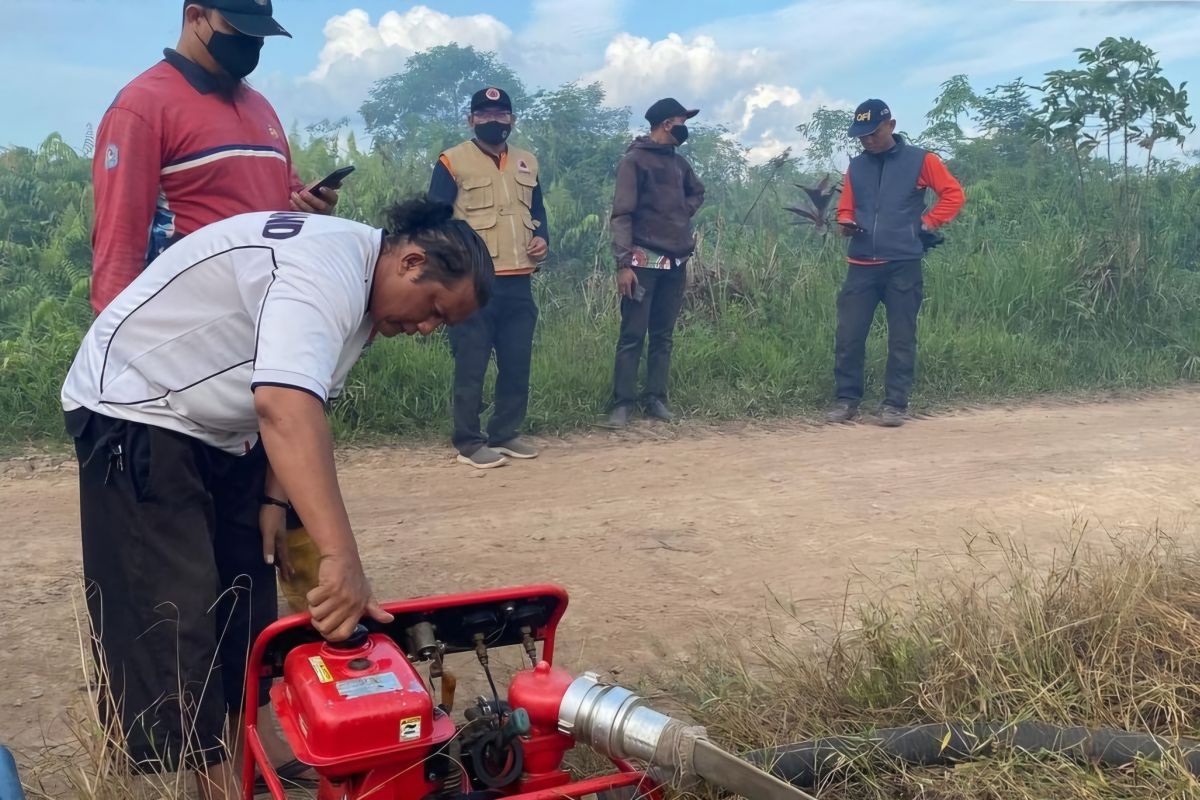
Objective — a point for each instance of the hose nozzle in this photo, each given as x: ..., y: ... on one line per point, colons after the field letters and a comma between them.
x: 616, y: 723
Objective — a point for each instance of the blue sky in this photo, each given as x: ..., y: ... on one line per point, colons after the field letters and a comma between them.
x: 757, y: 66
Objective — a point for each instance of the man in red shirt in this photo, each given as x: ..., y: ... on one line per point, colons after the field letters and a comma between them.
x: 188, y: 143
x: 185, y: 144
x: 882, y: 212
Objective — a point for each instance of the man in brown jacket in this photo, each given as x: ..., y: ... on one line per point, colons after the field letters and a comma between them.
x: 656, y: 196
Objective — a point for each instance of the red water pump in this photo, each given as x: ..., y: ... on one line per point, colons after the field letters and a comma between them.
x: 361, y: 714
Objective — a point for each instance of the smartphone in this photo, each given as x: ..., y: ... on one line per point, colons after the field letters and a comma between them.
x: 639, y: 293
x: 853, y: 227
x: 333, y: 180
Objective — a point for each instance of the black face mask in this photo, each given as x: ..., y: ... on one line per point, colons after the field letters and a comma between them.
x: 235, y: 53
x: 680, y: 133
x: 493, y: 133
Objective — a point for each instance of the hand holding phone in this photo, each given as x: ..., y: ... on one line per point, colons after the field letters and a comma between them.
x: 852, y: 228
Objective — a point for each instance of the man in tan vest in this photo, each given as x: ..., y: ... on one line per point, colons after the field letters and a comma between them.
x: 494, y: 187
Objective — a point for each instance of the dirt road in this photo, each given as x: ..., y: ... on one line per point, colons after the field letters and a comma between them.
x: 660, y: 532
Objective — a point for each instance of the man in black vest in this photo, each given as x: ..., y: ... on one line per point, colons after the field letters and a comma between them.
x: 882, y: 212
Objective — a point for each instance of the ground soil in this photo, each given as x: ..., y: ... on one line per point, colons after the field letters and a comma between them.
x: 666, y: 535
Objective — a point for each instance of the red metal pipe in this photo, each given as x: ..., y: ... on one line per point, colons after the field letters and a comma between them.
x: 585, y: 787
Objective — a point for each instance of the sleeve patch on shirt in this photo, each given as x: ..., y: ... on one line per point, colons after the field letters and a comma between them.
x: 111, y: 156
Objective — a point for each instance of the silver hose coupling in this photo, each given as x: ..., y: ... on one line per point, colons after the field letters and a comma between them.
x: 611, y: 720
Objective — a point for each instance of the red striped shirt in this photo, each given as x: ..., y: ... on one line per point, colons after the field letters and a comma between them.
x: 173, y: 155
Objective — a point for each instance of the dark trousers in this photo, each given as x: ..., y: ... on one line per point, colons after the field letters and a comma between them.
x: 505, y: 325
x: 899, y: 286
x: 177, y: 587
x: 656, y: 314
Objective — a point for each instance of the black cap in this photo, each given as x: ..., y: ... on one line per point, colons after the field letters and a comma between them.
x: 491, y: 97
x: 869, y: 116
x: 251, y: 17
x: 665, y: 109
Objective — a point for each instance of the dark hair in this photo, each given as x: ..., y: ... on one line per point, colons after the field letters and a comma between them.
x: 453, y: 251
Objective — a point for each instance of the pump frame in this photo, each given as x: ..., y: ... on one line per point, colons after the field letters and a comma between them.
x: 255, y: 756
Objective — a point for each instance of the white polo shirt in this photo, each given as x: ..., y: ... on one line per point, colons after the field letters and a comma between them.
x: 267, y: 298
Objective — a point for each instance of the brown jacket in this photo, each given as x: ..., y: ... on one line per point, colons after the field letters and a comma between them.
x: 657, y: 195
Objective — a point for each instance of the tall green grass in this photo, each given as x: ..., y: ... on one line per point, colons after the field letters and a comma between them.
x: 1032, y: 294
x: 1001, y: 320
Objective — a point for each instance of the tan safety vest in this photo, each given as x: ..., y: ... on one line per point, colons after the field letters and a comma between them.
x: 497, y: 202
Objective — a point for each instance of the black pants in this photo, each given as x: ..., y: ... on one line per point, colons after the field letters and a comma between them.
x: 655, y: 314
x: 899, y: 286
x: 505, y: 325
x: 177, y: 588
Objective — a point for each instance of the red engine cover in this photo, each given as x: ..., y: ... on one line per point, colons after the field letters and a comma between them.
x: 345, y: 711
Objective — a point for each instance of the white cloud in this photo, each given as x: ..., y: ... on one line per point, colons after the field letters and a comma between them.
x: 567, y: 40
x: 351, y: 37
x: 758, y: 74
x: 745, y: 90
x: 637, y: 70
x: 356, y: 53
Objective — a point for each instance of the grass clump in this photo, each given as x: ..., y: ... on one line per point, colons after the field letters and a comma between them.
x: 1103, y: 637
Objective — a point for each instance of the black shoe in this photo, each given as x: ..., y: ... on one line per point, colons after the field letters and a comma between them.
x: 657, y: 409
x: 891, y: 416
x: 619, y: 417
x: 842, y: 411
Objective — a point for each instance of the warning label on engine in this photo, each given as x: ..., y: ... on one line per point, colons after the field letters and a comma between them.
x: 368, y: 685
x: 318, y: 665
x: 410, y: 729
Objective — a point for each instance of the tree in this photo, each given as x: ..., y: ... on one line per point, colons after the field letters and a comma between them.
x: 1005, y: 109
x: 956, y: 100
x: 573, y: 133
x: 826, y: 135
x: 1133, y: 98
x: 434, y: 92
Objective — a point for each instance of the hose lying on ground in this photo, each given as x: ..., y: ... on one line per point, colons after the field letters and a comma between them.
x: 806, y: 764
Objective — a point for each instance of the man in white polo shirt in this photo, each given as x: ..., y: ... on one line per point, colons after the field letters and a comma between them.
x: 220, y: 355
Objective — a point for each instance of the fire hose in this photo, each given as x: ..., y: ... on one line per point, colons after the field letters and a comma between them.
x: 809, y: 763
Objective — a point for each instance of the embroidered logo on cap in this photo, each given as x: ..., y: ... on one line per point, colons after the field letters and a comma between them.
x: 492, y: 94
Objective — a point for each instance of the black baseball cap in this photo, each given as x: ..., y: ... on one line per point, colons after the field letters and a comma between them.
x: 251, y: 17
x: 665, y: 109
x: 869, y: 116
x: 491, y: 97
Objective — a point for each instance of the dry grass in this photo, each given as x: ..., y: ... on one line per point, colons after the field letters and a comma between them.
x: 93, y: 764
x: 1101, y: 637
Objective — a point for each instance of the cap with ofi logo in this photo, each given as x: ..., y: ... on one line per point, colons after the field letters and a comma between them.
x: 869, y: 116
x: 249, y: 17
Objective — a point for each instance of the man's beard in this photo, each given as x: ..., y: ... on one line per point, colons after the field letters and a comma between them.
x: 229, y: 89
